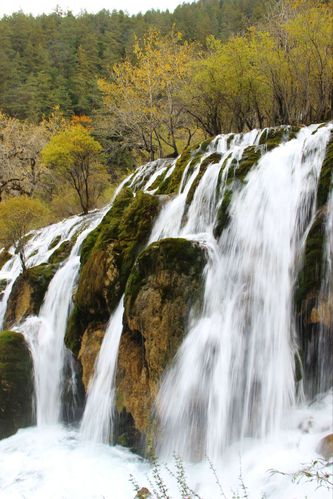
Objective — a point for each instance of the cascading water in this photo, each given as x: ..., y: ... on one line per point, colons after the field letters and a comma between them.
x: 45, y: 333
x: 243, y: 345
x: 233, y: 376
x: 97, y: 418
x: 97, y: 423
x: 38, y: 249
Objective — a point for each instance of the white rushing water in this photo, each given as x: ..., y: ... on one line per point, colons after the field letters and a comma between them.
x: 45, y: 333
x: 243, y: 345
x: 37, y: 250
x: 97, y: 418
x: 230, y: 394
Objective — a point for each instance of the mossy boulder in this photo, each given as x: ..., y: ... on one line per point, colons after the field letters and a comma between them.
x: 16, y: 384
x: 28, y: 293
x: 4, y: 257
x: 107, y: 258
x: 164, y: 286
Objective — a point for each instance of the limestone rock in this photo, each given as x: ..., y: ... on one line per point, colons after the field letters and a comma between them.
x: 164, y: 286
x: 90, y: 346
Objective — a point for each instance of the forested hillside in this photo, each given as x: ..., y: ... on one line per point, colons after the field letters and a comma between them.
x: 121, y: 90
x: 55, y: 59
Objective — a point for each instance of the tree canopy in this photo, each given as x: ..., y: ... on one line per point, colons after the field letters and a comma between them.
x: 74, y: 156
x: 19, y: 215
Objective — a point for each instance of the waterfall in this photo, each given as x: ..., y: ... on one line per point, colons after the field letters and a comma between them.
x: 230, y: 392
x: 38, y: 249
x: 97, y: 418
x: 243, y: 345
x: 45, y: 333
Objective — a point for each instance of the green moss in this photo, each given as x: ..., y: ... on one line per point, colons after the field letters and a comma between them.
x: 309, y: 279
x: 171, y: 184
x: 4, y: 258
x: 172, y: 254
x: 326, y: 174
x: 107, y: 257
x: 203, y: 146
x: 55, y: 242
x: 16, y: 384
x: 158, y: 181
x: 108, y: 226
x: 273, y: 137
x: 211, y: 159
x: 239, y: 169
x: 222, y: 216
x: 236, y: 177
x: 28, y: 292
x: 39, y: 278
x: 62, y: 253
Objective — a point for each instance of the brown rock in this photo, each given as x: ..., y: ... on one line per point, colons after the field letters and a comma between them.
x: 90, y: 346
x: 325, y: 447
x: 163, y: 288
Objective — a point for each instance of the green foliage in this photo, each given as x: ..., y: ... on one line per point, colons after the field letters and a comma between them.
x: 56, y: 59
x: 17, y: 217
x: 74, y: 155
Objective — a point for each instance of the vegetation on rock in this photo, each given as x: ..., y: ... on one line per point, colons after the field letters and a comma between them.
x: 165, y: 285
x: 16, y: 384
x: 28, y: 293
x: 107, y: 258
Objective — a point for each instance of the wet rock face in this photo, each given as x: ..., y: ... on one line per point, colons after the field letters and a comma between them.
x: 107, y: 257
x: 16, y: 383
x: 28, y: 293
x: 314, y: 312
x: 90, y: 346
x: 165, y: 285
